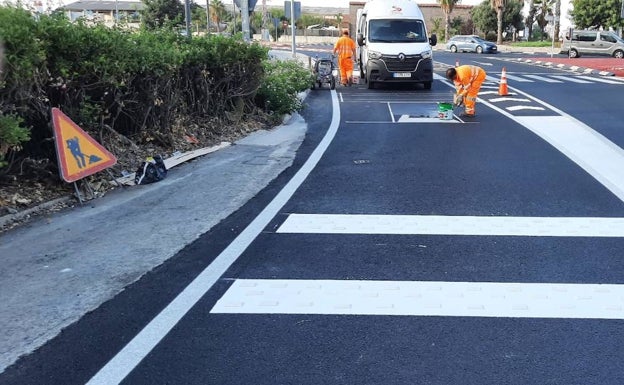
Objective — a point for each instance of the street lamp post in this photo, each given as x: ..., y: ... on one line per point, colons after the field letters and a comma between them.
x: 207, y: 17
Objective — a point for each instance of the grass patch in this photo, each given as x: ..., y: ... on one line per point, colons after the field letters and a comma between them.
x: 545, y: 43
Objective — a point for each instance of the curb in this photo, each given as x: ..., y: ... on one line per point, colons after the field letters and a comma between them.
x: 18, y: 216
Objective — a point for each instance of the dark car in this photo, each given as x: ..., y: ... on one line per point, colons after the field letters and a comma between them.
x: 470, y: 43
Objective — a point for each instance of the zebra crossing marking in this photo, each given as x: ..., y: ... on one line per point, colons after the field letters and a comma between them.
x: 423, y: 298
x: 573, y: 79
x: 453, y: 225
x: 543, y: 78
x: 601, y: 80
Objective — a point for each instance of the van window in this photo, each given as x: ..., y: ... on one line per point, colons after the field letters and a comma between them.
x: 607, y: 37
x: 396, y: 31
x: 587, y: 37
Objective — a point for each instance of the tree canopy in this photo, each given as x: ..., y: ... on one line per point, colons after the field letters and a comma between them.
x: 162, y: 13
x: 485, y: 17
x: 597, y: 13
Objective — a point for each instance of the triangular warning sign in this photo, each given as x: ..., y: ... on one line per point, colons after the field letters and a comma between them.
x: 79, y: 155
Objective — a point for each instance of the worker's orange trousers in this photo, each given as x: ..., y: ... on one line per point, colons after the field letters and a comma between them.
x: 346, y: 68
x: 473, y: 91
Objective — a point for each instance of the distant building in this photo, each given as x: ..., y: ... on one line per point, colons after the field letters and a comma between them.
x: 107, y: 12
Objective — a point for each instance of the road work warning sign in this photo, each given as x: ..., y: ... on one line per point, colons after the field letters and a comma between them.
x: 79, y: 155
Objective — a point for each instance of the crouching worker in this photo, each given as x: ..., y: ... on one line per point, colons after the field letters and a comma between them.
x: 468, y: 80
x: 345, y: 48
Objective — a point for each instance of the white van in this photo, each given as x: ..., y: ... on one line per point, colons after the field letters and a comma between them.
x: 393, y: 43
x: 593, y: 43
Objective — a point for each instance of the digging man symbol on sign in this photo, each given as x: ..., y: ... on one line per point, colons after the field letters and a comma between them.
x: 73, y: 145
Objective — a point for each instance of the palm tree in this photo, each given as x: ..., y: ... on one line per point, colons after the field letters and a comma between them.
x: 557, y: 19
x: 219, y: 13
x: 447, y: 7
x: 499, y: 6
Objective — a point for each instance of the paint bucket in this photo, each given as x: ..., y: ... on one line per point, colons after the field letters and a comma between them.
x: 445, y: 111
x: 356, y: 77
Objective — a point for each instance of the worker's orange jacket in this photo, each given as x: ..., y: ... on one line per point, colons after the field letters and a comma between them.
x: 466, y: 76
x: 344, y: 47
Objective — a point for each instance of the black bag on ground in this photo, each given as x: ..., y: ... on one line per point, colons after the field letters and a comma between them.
x: 150, y: 171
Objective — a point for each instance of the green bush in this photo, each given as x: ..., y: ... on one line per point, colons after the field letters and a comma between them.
x: 281, y: 85
x: 12, y: 134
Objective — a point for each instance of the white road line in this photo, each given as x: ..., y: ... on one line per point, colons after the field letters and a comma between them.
x: 391, y: 113
x: 543, y: 79
x: 573, y: 79
x: 508, y: 99
x: 453, y: 225
x: 133, y: 353
x: 523, y: 108
x: 601, y: 80
x: 423, y: 298
x: 594, y: 153
x: 597, y: 155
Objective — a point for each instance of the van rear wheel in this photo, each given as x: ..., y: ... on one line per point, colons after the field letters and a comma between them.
x: 619, y: 54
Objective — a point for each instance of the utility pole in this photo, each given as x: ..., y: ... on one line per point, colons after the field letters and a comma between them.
x: 245, y: 19
x: 187, y: 14
x: 208, y: 18
x: 265, y: 22
x: 292, y: 27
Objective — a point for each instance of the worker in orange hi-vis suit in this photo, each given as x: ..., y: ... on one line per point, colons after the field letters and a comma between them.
x: 345, y: 47
x: 468, y: 80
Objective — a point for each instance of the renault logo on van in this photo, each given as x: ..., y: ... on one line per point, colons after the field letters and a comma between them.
x: 402, y: 57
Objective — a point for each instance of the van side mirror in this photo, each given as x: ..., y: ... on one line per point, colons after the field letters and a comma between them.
x: 360, y: 39
x: 433, y: 40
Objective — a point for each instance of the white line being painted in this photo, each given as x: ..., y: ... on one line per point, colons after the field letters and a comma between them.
x: 408, y: 119
x: 508, y: 99
x: 423, y: 298
x: 453, y: 225
x: 525, y: 108
x: 131, y: 355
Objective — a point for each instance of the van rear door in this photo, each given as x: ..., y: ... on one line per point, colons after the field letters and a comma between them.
x: 605, y: 43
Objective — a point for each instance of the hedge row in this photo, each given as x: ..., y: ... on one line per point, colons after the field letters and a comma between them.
x: 139, y: 83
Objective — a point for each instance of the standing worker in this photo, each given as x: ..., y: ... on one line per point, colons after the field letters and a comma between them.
x: 468, y: 80
x: 345, y: 47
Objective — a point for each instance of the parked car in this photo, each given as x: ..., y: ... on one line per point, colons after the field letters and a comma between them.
x: 470, y: 43
x: 593, y: 43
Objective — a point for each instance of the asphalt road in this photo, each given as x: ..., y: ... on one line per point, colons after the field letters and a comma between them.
x: 396, y: 249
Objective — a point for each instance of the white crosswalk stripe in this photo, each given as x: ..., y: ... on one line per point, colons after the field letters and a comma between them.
x: 601, y: 80
x: 423, y: 298
x: 572, y: 79
x: 544, y: 79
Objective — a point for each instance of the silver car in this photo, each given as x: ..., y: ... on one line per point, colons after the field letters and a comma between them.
x: 593, y: 43
x: 470, y: 43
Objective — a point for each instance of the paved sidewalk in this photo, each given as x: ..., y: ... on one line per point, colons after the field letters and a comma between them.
x: 58, y: 268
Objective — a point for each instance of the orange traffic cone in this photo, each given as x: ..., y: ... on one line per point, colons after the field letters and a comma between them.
x: 502, y: 88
